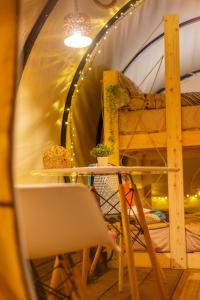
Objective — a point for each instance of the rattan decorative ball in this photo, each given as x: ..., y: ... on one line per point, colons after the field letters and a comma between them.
x: 56, y: 157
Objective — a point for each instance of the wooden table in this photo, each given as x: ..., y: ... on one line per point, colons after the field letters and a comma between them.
x: 120, y: 171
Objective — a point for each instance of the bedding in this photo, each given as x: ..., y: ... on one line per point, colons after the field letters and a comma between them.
x: 159, y: 233
x: 151, y: 216
x: 107, y: 186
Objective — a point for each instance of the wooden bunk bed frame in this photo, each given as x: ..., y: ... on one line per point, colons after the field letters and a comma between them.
x: 174, y: 136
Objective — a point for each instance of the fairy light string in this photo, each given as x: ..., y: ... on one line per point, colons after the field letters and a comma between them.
x: 87, y: 67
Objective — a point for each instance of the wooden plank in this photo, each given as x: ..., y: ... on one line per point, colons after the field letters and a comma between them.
x: 174, y: 142
x: 142, y: 121
x: 189, y: 286
x: 153, y: 155
x: 193, y: 260
x: 148, y: 287
x: 190, y: 117
x: 154, y: 120
x: 191, y: 138
x: 98, y: 287
x: 106, y: 287
x: 142, y: 260
x: 111, y: 126
x: 141, y: 141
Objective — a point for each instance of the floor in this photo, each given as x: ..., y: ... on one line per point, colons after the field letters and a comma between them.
x: 180, y: 284
x: 106, y: 286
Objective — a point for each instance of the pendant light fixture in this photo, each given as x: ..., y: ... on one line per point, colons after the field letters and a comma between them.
x: 77, y: 27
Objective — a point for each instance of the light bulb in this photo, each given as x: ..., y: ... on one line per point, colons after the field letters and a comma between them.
x: 77, y: 40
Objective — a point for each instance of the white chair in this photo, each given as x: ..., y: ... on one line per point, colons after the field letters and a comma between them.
x: 59, y: 218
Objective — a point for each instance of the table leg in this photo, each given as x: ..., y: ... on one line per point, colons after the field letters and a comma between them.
x: 155, y: 264
x: 128, y: 243
x: 121, y: 261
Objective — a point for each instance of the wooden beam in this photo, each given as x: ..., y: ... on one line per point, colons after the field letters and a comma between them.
x: 154, y: 120
x: 174, y: 142
x: 193, y: 260
x: 141, y: 141
x: 139, y: 121
x: 142, y: 260
x: 110, y: 78
x: 191, y: 138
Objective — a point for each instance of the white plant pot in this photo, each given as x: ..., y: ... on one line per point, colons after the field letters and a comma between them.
x: 102, y: 161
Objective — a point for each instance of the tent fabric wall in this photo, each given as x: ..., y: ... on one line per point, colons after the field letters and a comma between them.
x: 12, y: 279
x: 45, y: 83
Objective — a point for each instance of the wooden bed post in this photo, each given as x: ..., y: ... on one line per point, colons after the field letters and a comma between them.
x: 110, y: 78
x: 174, y: 142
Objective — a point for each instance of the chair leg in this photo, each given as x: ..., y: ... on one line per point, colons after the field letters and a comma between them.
x: 55, y: 278
x: 95, y: 260
x: 81, y: 290
x: 85, y: 265
x: 67, y: 275
x: 58, y: 276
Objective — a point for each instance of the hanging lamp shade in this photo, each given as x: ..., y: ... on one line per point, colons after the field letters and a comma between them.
x: 77, y: 29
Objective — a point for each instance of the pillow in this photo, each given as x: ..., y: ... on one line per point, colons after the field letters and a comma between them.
x: 151, y: 218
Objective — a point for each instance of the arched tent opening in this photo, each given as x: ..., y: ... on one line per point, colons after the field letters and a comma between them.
x: 59, y: 94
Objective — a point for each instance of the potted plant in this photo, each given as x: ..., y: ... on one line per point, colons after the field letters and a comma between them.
x: 116, y: 97
x: 101, y: 152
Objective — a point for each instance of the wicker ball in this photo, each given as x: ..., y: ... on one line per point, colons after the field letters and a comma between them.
x: 56, y: 157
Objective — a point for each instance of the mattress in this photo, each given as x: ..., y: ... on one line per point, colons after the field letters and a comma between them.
x: 159, y: 233
x: 106, y: 194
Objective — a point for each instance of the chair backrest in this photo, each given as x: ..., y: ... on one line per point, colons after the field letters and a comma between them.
x: 59, y: 218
